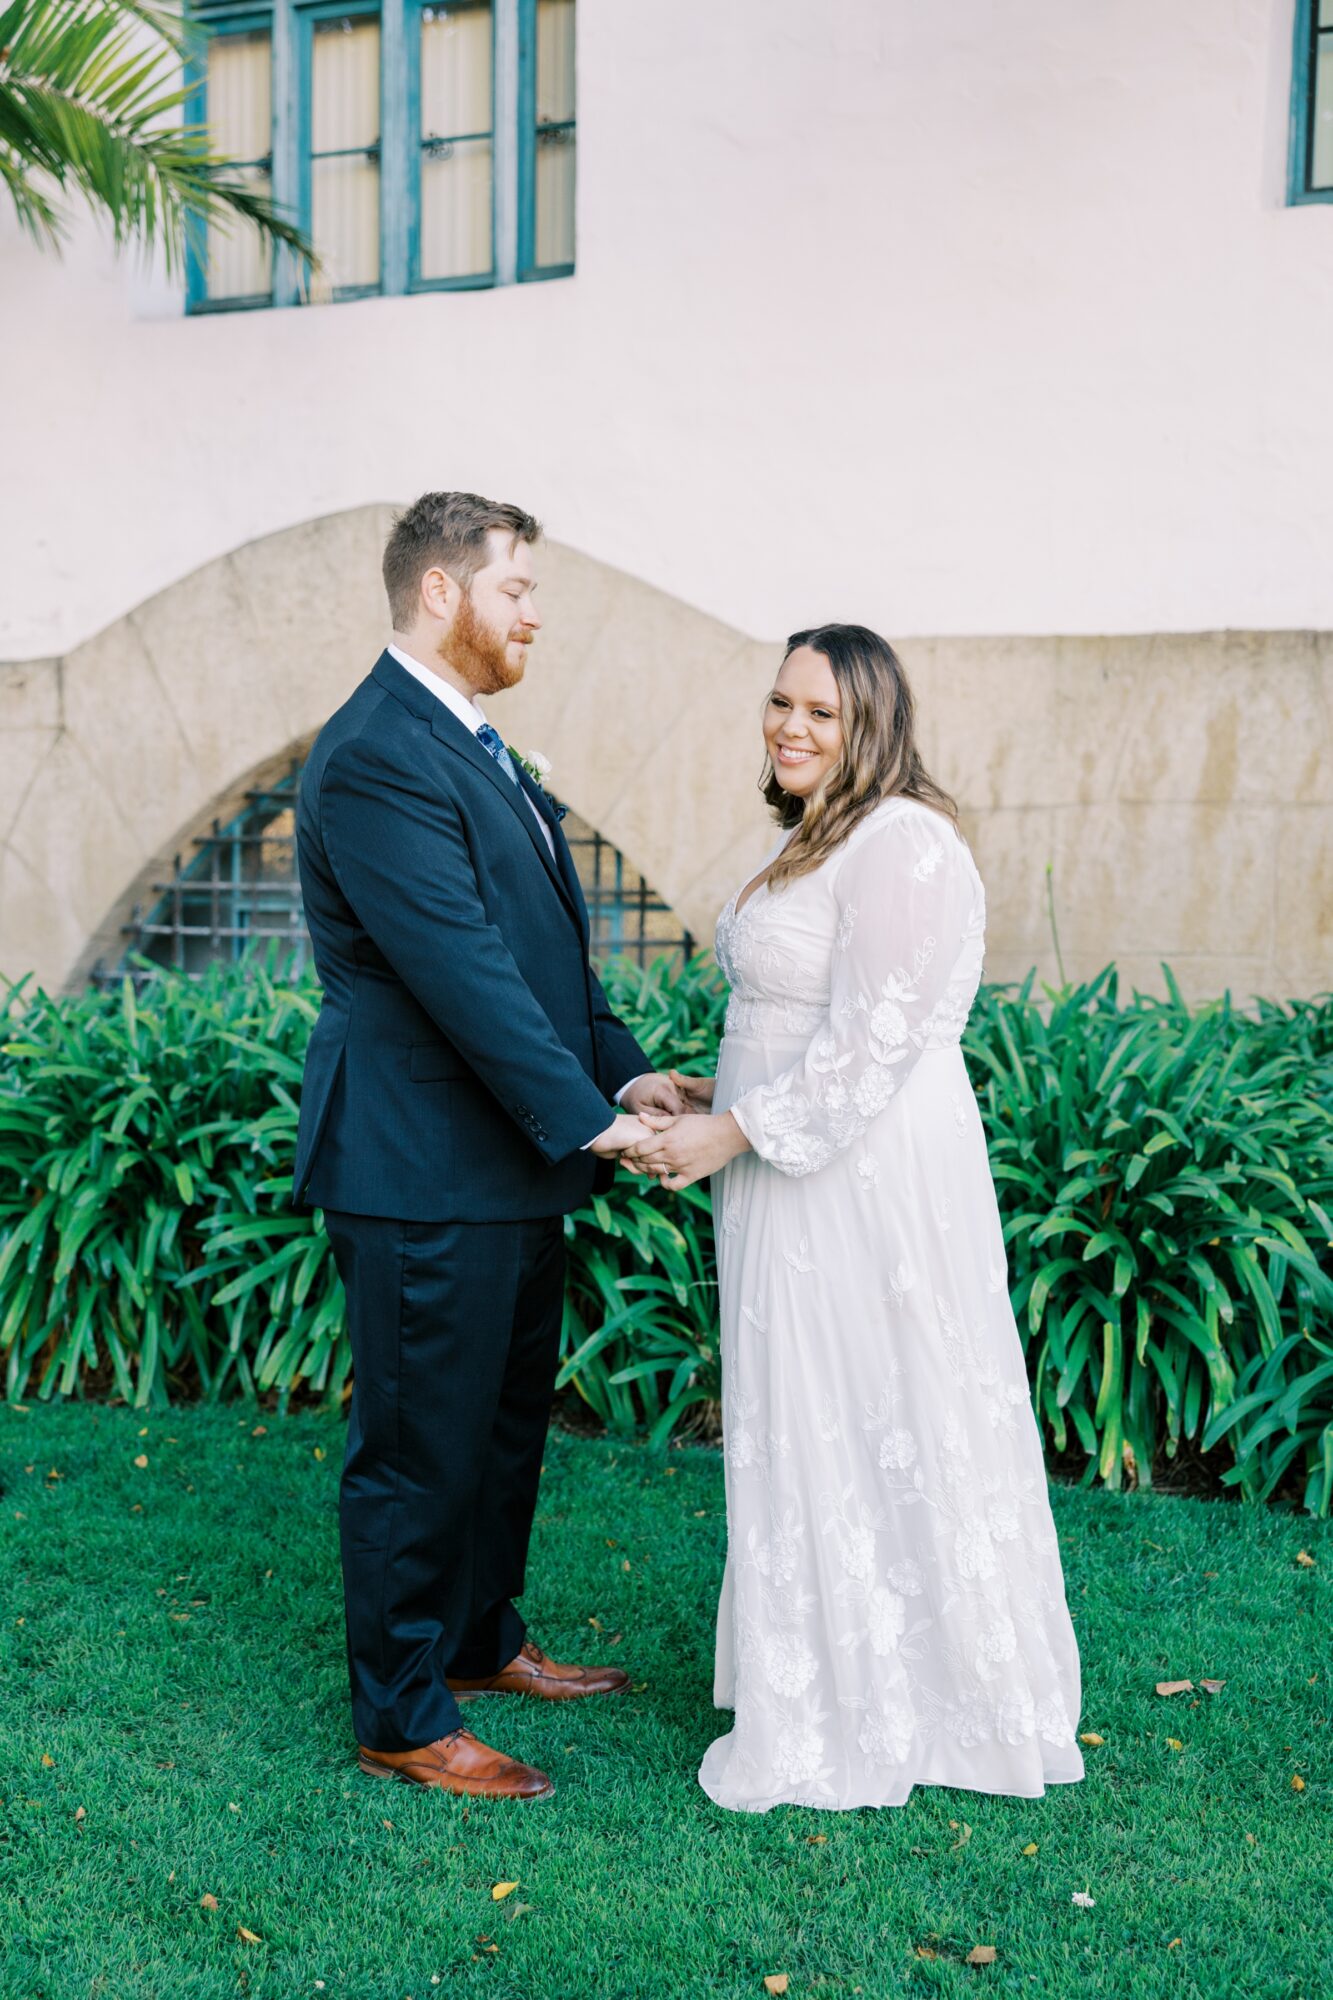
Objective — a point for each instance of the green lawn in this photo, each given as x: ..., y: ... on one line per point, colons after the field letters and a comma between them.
x: 175, y: 1725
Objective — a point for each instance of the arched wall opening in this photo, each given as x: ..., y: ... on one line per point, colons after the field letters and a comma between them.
x: 131, y: 747
x: 1175, y: 790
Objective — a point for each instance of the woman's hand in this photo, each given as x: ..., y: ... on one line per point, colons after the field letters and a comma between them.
x: 688, y: 1149
x: 697, y: 1091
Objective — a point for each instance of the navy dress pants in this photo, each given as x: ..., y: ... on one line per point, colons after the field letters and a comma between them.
x: 455, y: 1330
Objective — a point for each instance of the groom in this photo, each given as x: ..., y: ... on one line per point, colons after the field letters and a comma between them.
x: 456, y: 1105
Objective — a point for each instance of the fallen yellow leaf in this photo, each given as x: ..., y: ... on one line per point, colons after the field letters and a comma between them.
x: 1212, y: 1687
x: 142, y: 1460
x: 144, y: 1432
x: 1031, y: 1847
x: 1174, y: 1942
x: 924, y: 1951
x: 981, y: 1954
x: 1298, y: 1783
x: 207, y: 1902
x: 49, y: 1762
x: 251, y: 1937
x: 501, y: 1890
x: 963, y: 1838
x: 1174, y: 1743
x: 319, y: 1451
x: 1175, y: 1687
x: 82, y: 1813
x: 1092, y: 1739
x: 1305, y: 1559
x: 776, y: 1982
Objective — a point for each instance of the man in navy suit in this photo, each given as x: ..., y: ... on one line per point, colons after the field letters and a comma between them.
x: 457, y: 1103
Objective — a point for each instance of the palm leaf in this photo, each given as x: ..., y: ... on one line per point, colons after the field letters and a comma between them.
x: 91, y: 103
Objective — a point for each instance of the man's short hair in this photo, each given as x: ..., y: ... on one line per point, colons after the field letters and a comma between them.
x: 445, y: 531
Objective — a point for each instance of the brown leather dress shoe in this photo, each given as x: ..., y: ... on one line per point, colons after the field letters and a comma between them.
x: 532, y: 1673
x: 458, y: 1763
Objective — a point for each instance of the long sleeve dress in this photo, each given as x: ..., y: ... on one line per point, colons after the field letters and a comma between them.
x: 893, y: 1608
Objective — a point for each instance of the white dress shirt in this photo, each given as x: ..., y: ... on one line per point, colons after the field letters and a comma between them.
x: 472, y: 718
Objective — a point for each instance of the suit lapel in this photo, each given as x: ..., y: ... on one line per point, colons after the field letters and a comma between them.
x: 456, y: 736
x: 564, y: 859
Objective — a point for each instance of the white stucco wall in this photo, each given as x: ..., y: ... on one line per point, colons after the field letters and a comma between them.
x: 978, y: 318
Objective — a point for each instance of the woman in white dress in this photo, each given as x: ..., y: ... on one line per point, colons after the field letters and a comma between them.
x: 893, y: 1609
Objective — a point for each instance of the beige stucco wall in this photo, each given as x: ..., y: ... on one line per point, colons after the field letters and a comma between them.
x: 1179, y: 788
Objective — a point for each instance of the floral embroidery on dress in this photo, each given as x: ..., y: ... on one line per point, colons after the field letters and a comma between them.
x: 789, y: 1663
x: 897, y: 1450
x: 887, y: 1732
x: 929, y: 862
x: 901, y: 1282
x: 798, y: 1753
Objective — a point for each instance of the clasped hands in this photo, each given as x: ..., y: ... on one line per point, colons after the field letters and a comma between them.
x: 670, y: 1134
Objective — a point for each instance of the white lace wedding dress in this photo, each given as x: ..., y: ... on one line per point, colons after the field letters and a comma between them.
x: 893, y: 1609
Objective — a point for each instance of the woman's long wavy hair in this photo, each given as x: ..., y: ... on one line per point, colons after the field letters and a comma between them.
x: 879, y: 759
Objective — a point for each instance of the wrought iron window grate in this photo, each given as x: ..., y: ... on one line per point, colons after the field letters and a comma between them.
x: 239, y: 893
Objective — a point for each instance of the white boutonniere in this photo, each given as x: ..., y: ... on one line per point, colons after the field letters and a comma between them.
x: 538, y: 768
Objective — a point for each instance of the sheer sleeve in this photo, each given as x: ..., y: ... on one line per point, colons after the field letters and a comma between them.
x: 903, y: 978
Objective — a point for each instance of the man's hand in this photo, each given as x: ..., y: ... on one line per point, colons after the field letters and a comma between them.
x: 653, y: 1093
x: 697, y: 1091
x: 688, y: 1149
x: 619, y: 1134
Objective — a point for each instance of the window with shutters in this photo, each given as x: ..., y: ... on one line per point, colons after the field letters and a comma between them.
x: 423, y: 145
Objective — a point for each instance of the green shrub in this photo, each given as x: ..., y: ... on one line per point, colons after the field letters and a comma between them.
x: 1165, y: 1176
x: 146, y: 1143
x: 640, y: 1332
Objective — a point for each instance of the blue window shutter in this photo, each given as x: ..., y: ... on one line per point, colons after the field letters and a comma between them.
x: 1313, y: 31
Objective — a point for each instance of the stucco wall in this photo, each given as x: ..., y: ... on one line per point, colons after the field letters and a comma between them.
x: 969, y: 318
x: 1180, y: 788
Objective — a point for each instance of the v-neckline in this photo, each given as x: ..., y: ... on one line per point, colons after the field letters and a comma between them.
x: 756, y: 884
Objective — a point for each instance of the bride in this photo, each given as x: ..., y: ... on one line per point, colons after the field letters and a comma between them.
x: 893, y: 1609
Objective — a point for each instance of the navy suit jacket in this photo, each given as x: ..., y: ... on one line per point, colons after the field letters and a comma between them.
x: 464, y: 1051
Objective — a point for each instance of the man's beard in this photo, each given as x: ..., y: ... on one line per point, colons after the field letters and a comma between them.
x: 477, y: 655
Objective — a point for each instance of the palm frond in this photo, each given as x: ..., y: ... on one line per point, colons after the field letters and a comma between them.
x: 91, y: 103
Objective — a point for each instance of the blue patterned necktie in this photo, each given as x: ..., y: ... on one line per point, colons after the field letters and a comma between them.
x: 491, y: 739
